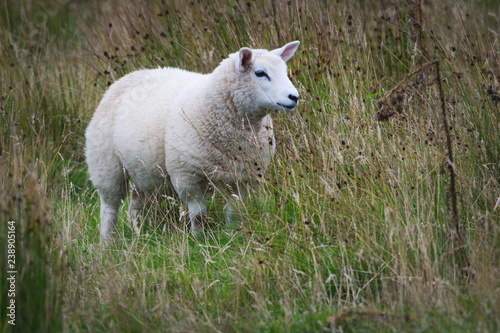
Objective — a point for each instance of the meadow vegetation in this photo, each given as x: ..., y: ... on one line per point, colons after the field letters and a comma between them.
x: 352, y: 229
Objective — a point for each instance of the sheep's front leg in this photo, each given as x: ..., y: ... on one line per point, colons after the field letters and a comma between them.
x: 197, y: 214
x: 230, y: 211
x: 193, y: 195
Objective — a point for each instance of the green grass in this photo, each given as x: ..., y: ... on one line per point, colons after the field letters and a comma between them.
x: 348, y: 231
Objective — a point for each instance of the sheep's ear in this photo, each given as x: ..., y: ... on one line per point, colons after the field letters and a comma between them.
x: 245, y: 60
x: 287, y: 51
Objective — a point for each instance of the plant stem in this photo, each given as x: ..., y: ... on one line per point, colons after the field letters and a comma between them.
x: 458, y: 238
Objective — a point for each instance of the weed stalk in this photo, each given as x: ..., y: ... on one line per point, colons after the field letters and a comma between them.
x: 459, y: 246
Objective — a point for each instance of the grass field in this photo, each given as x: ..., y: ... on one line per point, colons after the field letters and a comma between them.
x: 362, y: 223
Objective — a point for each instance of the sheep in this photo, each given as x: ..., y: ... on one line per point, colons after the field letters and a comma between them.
x: 172, y: 131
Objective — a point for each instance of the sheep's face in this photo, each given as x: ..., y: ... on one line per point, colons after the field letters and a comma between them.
x: 267, y: 73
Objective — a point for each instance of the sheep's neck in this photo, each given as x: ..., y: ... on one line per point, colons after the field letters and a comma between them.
x: 233, y: 132
x: 230, y: 126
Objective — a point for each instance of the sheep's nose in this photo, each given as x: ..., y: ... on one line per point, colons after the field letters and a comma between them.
x: 294, y: 98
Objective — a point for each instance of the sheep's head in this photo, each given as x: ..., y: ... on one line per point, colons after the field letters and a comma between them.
x: 266, y: 72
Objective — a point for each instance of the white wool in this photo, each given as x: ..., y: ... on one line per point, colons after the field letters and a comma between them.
x: 168, y: 130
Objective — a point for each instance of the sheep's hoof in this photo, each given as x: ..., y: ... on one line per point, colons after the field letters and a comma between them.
x: 198, y: 223
x: 136, y: 226
x: 107, y: 239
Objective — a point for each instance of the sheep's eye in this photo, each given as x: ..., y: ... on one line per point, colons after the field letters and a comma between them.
x: 262, y: 74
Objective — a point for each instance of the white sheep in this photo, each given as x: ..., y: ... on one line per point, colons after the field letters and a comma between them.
x: 167, y: 130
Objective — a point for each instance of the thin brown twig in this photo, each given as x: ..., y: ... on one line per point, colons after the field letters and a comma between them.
x: 460, y: 248
x: 391, y: 104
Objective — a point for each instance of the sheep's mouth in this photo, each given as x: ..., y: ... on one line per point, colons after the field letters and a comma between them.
x: 287, y: 107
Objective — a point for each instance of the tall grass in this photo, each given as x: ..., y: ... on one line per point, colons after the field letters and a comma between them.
x: 350, y: 228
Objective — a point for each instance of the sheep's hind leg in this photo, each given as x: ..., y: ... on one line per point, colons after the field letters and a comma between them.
x: 137, y: 202
x: 109, y: 217
x: 111, y: 196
